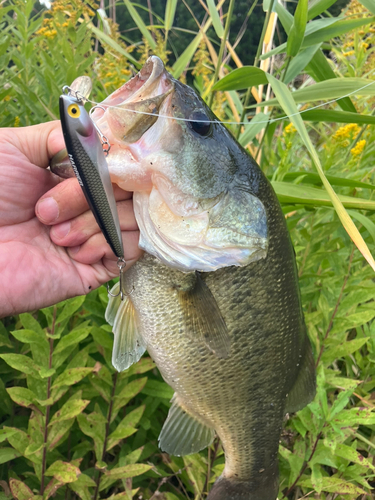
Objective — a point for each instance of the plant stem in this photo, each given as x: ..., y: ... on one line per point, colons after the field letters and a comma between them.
x: 107, y: 427
x: 48, y: 408
x: 222, y: 47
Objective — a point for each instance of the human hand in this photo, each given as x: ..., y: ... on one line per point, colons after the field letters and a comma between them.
x: 40, y: 266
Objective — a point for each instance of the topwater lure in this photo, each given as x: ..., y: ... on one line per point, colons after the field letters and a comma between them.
x: 87, y: 157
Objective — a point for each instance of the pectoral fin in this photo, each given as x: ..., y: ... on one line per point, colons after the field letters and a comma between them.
x: 128, y: 344
x: 182, y: 433
x: 204, y: 318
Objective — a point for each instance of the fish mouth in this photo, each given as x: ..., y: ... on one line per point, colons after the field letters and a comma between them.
x: 131, y: 110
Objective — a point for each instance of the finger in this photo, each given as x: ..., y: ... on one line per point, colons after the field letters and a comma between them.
x: 96, y: 249
x: 78, y: 230
x: 66, y: 201
x: 39, y: 143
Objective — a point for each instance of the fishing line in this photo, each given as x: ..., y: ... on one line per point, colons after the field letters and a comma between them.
x: 102, y: 105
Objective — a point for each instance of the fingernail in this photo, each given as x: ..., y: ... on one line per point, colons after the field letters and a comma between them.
x: 74, y: 250
x: 61, y: 230
x: 47, y: 210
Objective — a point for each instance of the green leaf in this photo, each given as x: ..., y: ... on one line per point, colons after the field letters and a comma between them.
x: 22, y: 363
x: 57, y: 431
x: 330, y: 115
x: 297, y: 31
x: 102, y: 337
x: 30, y: 323
x: 70, y: 409
x: 312, y: 178
x: 20, y: 490
x: 131, y: 390
x: 242, y: 78
x: 22, y: 396
x: 108, y: 40
x: 144, y: 365
x: 354, y: 417
x: 316, y: 478
x: 285, y: 17
x: 307, y: 195
x: 344, y: 451
x: 320, y: 69
x: 170, y: 10
x: 216, y: 21
x: 316, y: 7
x: 286, y: 101
x: 158, y: 389
x: 4, y: 337
x: 7, y: 454
x: 323, y: 30
x: 300, y: 61
x: 63, y: 472
x: 258, y: 123
x: 93, y: 425
x: 140, y: 24
x: 4, y: 433
x: 369, y: 4
x: 295, y: 462
x: 131, y: 470
x: 365, y: 221
x: 70, y: 307
x: 339, y: 351
x: 335, y: 485
x: 73, y: 338
x: 329, y: 89
x: 126, y: 427
x: 340, y: 402
x: 71, y: 376
x: 18, y: 439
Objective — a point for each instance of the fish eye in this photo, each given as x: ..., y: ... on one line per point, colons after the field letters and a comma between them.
x: 74, y: 111
x: 200, y: 123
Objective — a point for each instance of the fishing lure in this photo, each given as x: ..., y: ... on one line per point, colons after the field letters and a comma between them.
x: 87, y: 157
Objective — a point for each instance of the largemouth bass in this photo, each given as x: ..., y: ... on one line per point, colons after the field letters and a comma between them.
x: 215, y: 298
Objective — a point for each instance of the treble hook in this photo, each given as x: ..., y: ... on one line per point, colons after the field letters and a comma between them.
x: 121, y: 265
x: 105, y: 142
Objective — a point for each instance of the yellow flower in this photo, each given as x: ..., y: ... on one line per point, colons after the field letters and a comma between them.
x: 290, y: 129
x: 358, y: 148
x: 349, y: 130
x: 17, y: 121
x: 349, y: 53
x: 7, y: 98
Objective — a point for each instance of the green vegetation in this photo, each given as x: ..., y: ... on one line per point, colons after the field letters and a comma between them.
x: 73, y: 427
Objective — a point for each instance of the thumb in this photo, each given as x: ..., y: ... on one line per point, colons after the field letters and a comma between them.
x: 39, y: 143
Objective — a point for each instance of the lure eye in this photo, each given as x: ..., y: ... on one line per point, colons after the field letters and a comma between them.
x: 200, y: 123
x: 74, y: 111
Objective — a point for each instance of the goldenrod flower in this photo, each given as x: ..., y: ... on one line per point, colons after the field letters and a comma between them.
x: 358, y: 148
x: 290, y: 129
x: 348, y: 131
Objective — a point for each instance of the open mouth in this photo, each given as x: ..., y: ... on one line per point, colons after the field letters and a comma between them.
x: 132, y: 109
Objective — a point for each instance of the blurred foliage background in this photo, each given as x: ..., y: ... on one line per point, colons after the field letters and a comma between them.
x: 71, y: 427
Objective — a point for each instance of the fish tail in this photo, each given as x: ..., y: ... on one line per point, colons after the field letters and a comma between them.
x: 232, y: 489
